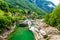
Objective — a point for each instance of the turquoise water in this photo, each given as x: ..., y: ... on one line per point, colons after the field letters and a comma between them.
x: 21, y: 34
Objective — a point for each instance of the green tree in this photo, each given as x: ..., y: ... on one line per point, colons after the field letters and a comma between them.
x: 4, y: 6
x: 53, y: 18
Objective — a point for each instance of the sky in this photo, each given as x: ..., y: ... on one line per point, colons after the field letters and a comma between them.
x: 56, y: 2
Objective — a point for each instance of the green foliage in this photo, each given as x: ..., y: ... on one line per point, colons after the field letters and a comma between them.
x: 58, y: 27
x: 34, y: 15
x: 53, y: 18
x: 25, y: 4
x: 46, y: 18
x: 10, y: 12
x: 1, y: 12
x: 6, y: 20
x: 4, y: 6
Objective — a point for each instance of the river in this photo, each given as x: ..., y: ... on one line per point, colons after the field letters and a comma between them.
x: 21, y: 33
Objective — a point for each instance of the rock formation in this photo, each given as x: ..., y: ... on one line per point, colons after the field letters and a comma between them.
x: 43, y: 31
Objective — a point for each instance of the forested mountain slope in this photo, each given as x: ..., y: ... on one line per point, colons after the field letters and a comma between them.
x: 46, y: 5
x: 53, y: 18
x: 25, y: 4
x: 9, y: 13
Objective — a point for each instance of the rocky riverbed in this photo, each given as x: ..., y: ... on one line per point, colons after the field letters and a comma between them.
x: 51, y: 32
x: 39, y: 29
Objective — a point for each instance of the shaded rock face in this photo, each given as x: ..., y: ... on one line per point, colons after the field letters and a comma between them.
x: 23, y: 25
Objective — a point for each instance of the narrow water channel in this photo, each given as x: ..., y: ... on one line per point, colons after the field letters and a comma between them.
x: 21, y: 33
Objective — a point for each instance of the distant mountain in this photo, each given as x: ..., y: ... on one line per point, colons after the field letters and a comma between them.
x: 44, y: 4
x: 25, y: 4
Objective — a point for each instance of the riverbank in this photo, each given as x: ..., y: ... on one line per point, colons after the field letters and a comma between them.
x: 6, y: 33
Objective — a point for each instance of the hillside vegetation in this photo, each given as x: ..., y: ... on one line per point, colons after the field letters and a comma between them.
x: 9, y: 14
x: 53, y: 18
x: 25, y: 4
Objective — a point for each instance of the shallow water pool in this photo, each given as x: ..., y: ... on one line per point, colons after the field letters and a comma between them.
x: 21, y: 34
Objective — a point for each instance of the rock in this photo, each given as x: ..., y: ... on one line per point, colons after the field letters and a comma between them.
x: 54, y: 37
x: 32, y: 29
x: 51, y: 30
x: 1, y: 38
x: 5, y: 34
x: 8, y: 28
x: 23, y: 25
x: 38, y: 36
x: 42, y: 32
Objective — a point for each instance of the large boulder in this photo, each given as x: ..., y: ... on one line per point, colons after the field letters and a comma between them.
x: 22, y: 23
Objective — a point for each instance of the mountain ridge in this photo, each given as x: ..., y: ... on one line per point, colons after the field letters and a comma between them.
x: 44, y: 4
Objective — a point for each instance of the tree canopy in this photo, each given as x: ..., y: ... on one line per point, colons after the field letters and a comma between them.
x: 53, y: 18
x: 4, y: 6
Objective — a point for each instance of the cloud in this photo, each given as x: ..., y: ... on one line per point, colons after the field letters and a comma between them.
x: 56, y: 2
x: 50, y: 5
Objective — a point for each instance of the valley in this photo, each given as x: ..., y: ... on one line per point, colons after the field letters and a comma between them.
x: 29, y: 20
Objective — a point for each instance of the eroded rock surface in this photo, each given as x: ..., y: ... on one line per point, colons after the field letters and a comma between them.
x: 51, y: 32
